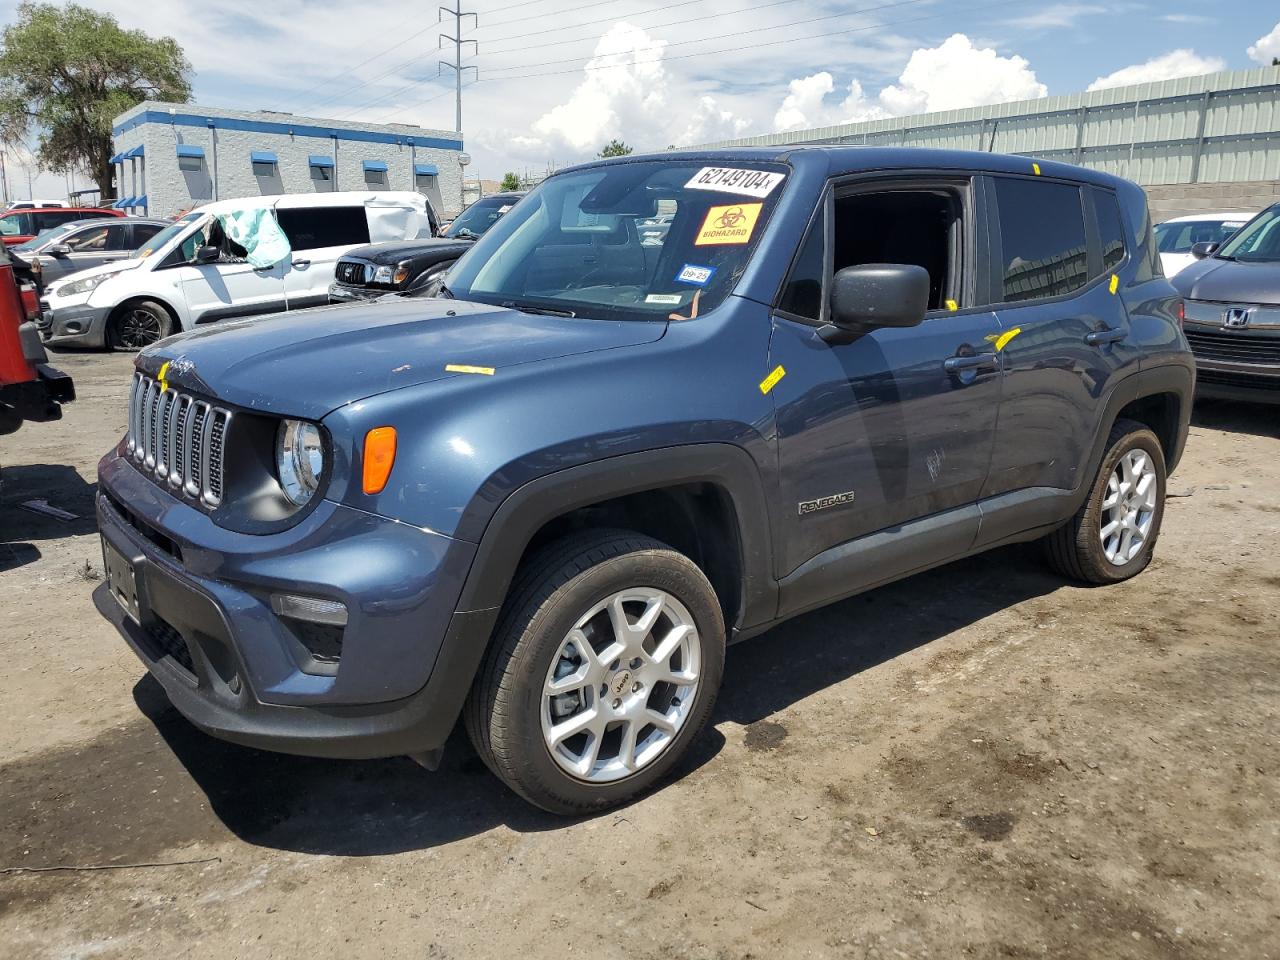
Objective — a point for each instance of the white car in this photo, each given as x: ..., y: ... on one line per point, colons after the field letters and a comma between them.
x: 1176, y: 237
x: 193, y: 272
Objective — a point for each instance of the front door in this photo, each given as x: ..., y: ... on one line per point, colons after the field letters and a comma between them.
x: 230, y: 286
x: 898, y: 424
x: 89, y: 246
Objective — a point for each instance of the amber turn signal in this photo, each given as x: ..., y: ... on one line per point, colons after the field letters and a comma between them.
x: 379, y: 456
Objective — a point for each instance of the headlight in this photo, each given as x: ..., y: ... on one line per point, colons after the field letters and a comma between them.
x: 74, y: 288
x: 391, y: 276
x: 299, y: 459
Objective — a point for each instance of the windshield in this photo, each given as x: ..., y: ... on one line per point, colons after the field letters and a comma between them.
x: 637, y: 240
x: 162, y: 238
x: 1180, y: 237
x: 1258, y: 241
x: 38, y: 241
x: 479, y: 217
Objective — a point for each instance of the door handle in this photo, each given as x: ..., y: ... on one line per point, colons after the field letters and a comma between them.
x: 976, y: 361
x: 264, y: 269
x: 1100, y: 338
x: 300, y: 264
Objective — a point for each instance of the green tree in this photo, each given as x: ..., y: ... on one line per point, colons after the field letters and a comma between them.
x: 68, y: 71
x: 615, y: 148
x: 510, y: 181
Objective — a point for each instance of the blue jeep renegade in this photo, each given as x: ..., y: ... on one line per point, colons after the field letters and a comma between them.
x: 545, y: 501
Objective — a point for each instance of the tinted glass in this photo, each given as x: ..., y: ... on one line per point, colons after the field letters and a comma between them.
x: 1106, y: 212
x: 802, y: 294
x: 142, y: 232
x: 311, y: 227
x: 118, y: 237
x: 1044, y: 252
x: 46, y: 220
x: 596, y: 242
x: 88, y: 240
x: 16, y: 225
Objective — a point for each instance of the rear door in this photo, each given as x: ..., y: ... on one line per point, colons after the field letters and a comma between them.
x: 318, y: 236
x: 1057, y: 247
x: 897, y: 424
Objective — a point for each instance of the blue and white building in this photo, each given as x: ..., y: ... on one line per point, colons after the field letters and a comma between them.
x: 170, y: 157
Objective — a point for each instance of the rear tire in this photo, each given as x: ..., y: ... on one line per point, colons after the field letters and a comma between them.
x: 138, y: 324
x: 610, y: 634
x: 1113, y: 535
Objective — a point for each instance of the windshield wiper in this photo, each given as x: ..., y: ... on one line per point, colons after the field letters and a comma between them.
x: 445, y: 292
x: 534, y: 308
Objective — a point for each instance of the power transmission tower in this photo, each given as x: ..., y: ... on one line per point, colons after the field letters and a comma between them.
x: 456, y: 64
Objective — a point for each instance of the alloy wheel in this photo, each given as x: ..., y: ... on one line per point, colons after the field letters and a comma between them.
x: 621, y: 685
x: 1128, y: 507
x: 137, y: 328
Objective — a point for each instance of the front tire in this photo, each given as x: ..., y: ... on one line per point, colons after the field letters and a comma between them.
x: 137, y: 325
x: 604, y: 666
x: 1112, y: 537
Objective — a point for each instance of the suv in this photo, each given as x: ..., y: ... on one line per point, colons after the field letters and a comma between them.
x: 546, y: 501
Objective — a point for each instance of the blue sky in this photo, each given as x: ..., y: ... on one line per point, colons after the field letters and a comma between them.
x: 561, y: 77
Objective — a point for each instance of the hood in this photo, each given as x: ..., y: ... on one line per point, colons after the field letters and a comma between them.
x: 1229, y: 281
x: 394, y: 251
x: 312, y: 362
x: 106, y: 269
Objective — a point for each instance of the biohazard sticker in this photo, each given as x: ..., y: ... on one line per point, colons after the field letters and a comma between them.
x: 670, y: 299
x: 748, y: 183
x: 733, y: 224
x: 698, y: 276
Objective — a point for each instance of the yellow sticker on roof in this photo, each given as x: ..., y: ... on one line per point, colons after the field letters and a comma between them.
x: 732, y: 224
x: 1035, y: 168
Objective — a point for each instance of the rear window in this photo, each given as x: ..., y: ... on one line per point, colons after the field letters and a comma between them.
x: 309, y: 228
x: 1044, y: 251
x: 1106, y: 214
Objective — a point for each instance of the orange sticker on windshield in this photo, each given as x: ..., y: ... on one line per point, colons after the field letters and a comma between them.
x: 733, y: 224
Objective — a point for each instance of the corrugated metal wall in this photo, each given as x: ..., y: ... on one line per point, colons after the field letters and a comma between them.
x: 1216, y: 128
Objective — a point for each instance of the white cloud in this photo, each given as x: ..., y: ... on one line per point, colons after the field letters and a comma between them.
x: 627, y: 93
x: 1267, y: 48
x: 1175, y: 63
x: 805, y: 104
x: 957, y: 74
x: 1057, y: 15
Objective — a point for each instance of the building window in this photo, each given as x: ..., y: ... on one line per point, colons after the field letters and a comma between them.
x: 321, y: 168
x: 424, y: 177
x: 375, y: 173
x: 265, y: 163
x: 190, y: 158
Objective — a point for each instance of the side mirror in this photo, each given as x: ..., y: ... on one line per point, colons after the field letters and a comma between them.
x: 58, y: 250
x: 1203, y: 249
x: 207, y: 254
x: 874, y: 295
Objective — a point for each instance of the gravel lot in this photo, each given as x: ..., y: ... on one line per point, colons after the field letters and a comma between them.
x: 981, y: 761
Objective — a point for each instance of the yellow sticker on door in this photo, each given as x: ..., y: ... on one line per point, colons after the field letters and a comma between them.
x: 732, y: 224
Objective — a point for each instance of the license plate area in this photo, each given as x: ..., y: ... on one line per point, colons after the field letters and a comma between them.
x: 121, y: 580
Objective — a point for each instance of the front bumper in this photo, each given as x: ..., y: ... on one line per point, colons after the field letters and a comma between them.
x: 1238, y: 363
x: 207, y: 632
x: 77, y: 324
x: 342, y: 293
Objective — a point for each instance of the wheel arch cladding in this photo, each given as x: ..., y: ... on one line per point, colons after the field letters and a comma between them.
x: 1161, y: 413
x: 705, y: 500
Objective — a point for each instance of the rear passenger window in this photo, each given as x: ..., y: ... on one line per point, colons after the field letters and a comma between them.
x: 802, y: 296
x: 309, y: 228
x: 1043, y: 248
x: 1106, y: 212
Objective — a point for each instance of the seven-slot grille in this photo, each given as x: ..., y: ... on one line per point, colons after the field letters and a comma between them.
x: 350, y: 272
x: 178, y: 439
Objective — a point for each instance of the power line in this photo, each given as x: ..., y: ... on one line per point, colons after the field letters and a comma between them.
x: 351, y: 72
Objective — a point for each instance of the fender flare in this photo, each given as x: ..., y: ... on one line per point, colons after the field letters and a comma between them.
x: 513, y: 525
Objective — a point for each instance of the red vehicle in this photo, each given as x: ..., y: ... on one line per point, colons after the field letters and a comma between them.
x: 19, y: 226
x: 30, y: 389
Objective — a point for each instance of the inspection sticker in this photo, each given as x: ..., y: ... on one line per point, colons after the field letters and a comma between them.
x: 692, y: 273
x: 733, y: 224
x: 749, y: 183
x: 670, y: 299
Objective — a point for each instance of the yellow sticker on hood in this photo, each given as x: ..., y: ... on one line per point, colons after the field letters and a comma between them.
x: 732, y: 224
x: 467, y: 368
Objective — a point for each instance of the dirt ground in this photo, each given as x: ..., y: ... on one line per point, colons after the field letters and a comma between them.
x: 982, y: 761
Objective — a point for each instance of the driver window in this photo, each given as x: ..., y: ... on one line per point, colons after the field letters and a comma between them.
x: 88, y: 241
x: 212, y: 235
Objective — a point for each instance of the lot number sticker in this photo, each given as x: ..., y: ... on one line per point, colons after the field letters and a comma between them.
x: 733, y: 224
x: 670, y: 299
x: 749, y: 183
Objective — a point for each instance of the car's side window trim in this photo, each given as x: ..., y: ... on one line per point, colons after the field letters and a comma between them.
x: 1093, y: 232
x: 822, y: 210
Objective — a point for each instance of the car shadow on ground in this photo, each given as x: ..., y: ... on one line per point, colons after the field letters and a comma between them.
x: 366, y: 808
x: 1237, y: 416
x: 60, y: 486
